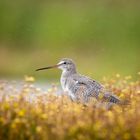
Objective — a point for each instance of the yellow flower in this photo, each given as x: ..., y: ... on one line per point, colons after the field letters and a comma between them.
x: 122, y: 95
x: 6, y: 106
x: 21, y: 113
x: 13, y: 125
x: 50, y: 90
x: 38, y: 129
x: 128, y: 77
x: 17, y: 120
x: 101, y: 95
x: 29, y: 78
x: 97, y: 125
x: 44, y: 116
x: 15, y: 105
x: 118, y: 75
x: 2, y: 120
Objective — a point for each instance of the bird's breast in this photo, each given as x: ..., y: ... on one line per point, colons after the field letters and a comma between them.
x: 63, y: 82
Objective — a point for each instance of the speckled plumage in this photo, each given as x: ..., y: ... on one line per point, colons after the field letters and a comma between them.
x: 81, y: 88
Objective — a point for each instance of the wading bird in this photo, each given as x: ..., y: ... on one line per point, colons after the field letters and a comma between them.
x: 81, y: 88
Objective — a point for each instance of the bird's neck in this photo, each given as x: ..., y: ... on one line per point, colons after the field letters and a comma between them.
x: 64, y: 77
x: 67, y: 73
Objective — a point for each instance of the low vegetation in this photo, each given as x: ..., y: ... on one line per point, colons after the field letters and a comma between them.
x: 28, y: 112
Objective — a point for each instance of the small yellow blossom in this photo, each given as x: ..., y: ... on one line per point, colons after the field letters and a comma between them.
x: 29, y: 78
x: 21, y: 113
x: 2, y: 120
x: 17, y: 120
x: 122, y: 95
x: 6, y: 106
x: 50, y: 90
x: 38, y: 129
x: 128, y: 77
x: 44, y: 116
x: 101, y: 95
x: 13, y: 125
x: 15, y: 105
x: 118, y: 75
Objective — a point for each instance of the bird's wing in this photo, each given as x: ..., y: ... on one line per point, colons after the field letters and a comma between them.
x: 87, y: 87
x: 87, y: 81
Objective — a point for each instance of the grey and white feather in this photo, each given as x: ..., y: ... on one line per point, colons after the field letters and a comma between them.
x: 81, y: 88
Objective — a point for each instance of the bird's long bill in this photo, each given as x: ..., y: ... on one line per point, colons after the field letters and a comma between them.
x: 50, y: 67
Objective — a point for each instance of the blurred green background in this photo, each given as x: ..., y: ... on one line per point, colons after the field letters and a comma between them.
x: 103, y: 37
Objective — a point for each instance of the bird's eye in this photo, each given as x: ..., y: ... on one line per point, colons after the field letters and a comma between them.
x: 65, y: 63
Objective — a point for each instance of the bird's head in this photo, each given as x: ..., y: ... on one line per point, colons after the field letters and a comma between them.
x: 64, y: 64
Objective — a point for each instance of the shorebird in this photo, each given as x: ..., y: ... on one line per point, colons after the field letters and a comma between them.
x: 81, y: 88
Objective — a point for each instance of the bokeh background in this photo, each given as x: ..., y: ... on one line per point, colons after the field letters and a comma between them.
x: 103, y: 37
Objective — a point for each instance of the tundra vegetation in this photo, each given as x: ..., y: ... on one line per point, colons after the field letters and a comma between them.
x: 28, y: 112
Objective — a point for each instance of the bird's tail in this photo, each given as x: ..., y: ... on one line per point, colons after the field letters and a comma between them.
x: 114, y: 99
x: 111, y: 98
